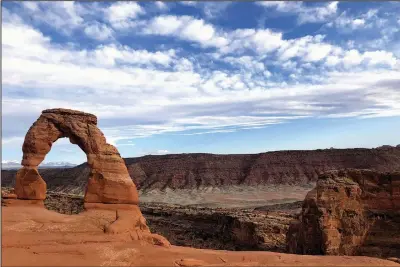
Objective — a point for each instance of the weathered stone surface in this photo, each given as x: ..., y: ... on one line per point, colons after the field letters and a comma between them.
x: 29, y: 184
x: 109, y: 180
x: 349, y: 212
x: 128, y: 221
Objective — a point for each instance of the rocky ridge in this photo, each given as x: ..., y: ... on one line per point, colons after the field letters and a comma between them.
x: 193, y: 171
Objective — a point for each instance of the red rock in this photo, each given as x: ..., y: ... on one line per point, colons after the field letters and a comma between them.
x: 349, y: 212
x: 109, y: 185
x: 109, y: 180
x: 132, y: 221
x: 29, y: 184
x: 8, y: 195
x: 23, y: 202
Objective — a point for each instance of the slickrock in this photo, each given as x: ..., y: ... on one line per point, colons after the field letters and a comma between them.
x: 39, y: 237
x: 350, y: 212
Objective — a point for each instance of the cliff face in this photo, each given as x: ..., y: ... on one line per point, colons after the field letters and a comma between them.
x: 350, y: 212
x: 293, y: 167
x: 189, y: 171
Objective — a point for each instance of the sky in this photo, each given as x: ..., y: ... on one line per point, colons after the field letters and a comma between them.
x: 209, y: 77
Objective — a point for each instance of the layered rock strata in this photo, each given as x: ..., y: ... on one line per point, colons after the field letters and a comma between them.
x: 350, y: 212
x: 197, y: 171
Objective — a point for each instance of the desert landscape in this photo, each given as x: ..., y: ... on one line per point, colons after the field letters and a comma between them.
x: 330, y: 207
x: 200, y: 133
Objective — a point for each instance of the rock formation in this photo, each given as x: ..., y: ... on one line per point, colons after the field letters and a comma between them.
x: 109, y: 180
x: 109, y: 185
x: 349, y: 212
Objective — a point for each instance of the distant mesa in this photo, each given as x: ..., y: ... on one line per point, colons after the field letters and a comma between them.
x: 199, y: 170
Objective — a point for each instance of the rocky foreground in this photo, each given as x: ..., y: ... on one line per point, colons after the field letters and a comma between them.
x: 262, y: 228
x: 35, y: 236
x: 193, y: 171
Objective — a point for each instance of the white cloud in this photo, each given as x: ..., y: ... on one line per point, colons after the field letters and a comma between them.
x: 306, y: 14
x: 12, y: 140
x: 197, y: 30
x: 260, y: 40
x: 319, y: 14
x: 358, y: 22
x: 353, y: 58
x: 138, y: 93
x: 161, y: 5
x: 307, y: 48
x: 166, y: 25
x: 186, y: 28
x: 189, y: 3
x: 98, y: 31
x: 283, y: 6
x: 122, y: 14
x: 10, y: 161
x: 215, y: 9
x: 22, y: 42
x: 246, y: 62
x: 63, y: 16
x: 349, y: 23
x: 118, y: 145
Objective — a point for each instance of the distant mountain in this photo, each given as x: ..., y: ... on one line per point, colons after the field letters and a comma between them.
x: 57, y: 164
x: 10, y: 164
x: 15, y: 164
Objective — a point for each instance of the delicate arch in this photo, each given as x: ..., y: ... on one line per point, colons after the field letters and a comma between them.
x: 109, y: 180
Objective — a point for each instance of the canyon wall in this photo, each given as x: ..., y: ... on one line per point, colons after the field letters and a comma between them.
x: 190, y: 171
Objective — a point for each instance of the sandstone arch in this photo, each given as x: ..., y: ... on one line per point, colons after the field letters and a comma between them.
x: 109, y: 180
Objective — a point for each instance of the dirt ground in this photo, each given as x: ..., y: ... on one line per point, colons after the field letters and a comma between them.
x: 34, y: 236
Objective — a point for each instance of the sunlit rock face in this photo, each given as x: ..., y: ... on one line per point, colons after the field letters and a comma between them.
x: 349, y: 212
x: 109, y: 180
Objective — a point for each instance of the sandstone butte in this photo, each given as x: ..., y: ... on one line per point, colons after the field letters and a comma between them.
x: 350, y: 212
x: 111, y: 231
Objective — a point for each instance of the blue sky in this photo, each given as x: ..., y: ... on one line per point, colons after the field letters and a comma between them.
x: 215, y: 77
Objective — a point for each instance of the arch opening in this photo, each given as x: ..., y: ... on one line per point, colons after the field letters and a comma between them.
x: 65, y: 191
